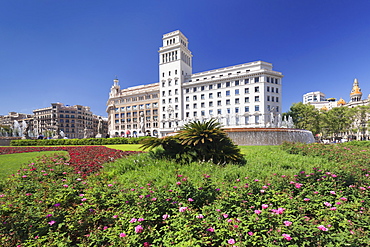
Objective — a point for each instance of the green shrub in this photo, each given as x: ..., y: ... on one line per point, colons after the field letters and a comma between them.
x: 89, y: 141
x: 198, y: 141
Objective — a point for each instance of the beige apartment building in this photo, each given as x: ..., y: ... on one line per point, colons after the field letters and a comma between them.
x: 133, y: 111
x: 71, y: 121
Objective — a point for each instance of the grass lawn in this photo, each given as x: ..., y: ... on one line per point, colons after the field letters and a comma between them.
x: 125, y: 147
x: 10, y: 163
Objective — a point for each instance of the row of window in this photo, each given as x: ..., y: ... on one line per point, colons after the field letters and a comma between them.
x: 228, y: 111
x: 140, y: 98
x: 169, y: 56
x: 169, y: 82
x: 228, y: 102
x: 136, y: 120
x: 136, y: 114
x: 219, y: 85
x: 137, y: 107
x: 237, y: 82
x: 227, y: 93
x: 170, y: 92
x: 135, y: 126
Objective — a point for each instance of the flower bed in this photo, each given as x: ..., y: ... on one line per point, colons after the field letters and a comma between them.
x: 47, y: 203
x: 84, y: 159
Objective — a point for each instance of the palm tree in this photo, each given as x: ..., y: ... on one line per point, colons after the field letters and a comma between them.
x: 197, y: 141
x: 209, y: 142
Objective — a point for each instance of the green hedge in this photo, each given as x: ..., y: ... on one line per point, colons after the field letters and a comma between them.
x: 89, y: 141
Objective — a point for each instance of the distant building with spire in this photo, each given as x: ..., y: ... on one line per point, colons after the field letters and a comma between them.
x: 319, y: 100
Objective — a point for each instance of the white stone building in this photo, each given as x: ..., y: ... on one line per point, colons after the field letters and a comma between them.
x: 239, y: 96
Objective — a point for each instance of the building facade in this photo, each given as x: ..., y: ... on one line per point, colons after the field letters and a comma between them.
x: 8, y: 120
x: 133, y: 111
x: 71, y: 121
x: 244, y: 95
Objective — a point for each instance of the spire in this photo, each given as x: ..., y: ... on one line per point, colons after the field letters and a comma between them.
x: 356, y: 93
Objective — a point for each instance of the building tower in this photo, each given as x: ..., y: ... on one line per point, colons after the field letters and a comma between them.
x: 115, y: 89
x: 175, y: 65
x: 356, y: 93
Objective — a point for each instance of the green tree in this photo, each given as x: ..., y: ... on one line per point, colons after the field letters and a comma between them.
x: 338, y: 120
x: 305, y: 116
x: 210, y: 142
x: 360, y: 121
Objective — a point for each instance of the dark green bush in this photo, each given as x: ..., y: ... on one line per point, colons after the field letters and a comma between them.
x: 198, y: 141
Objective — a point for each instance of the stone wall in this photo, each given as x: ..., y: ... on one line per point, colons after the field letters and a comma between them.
x: 268, y: 136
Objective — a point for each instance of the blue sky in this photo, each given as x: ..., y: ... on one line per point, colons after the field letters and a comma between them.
x: 70, y: 51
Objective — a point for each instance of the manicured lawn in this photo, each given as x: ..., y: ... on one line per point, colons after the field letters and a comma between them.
x: 10, y: 163
x: 125, y: 147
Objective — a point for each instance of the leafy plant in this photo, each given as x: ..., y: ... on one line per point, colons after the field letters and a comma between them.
x: 198, y: 141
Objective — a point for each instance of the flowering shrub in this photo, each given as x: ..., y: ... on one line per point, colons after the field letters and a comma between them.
x: 141, y: 202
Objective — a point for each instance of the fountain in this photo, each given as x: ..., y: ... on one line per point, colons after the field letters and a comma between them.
x: 277, y: 132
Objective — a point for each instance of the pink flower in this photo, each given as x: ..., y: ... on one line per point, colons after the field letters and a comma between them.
x: 343, y: 199
x: 140, y: 219
x: 65, y: 185
x: 165, y: 216
x: 322, y: 228
x: 115, y: 216
x: 200, y: 216
x: 183, y: 209
x: 250, y: 233
x: 51, y: 222
x: 154, y: 199
x: 121, y: 235
x: 257, y: 211
x: 190, y: 199
x: 264, y: 206
x: 327, y: 204
x: 231, y: 241
x: 278, y: 211
x: 333, y: 208
x: 133, y: 220
x: 229, y: 220
x: 210, y: 229
x: 81, y: 194
x: 83, y: 199
x: 178, y: 183
x: 306, y: 199
x: 225, y: 215
x: 139, y: 229
x: 287, y: 223
x: 109, y: 185
x: 287, y: 237
x: 297, y: 185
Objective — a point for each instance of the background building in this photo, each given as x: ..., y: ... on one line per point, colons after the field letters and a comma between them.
x: 244, y: 95
x: 71, y: 120
x: 320, y: 102
x: 8, y: 120
x: 133, y: 111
